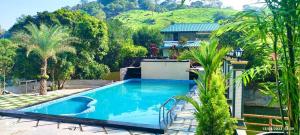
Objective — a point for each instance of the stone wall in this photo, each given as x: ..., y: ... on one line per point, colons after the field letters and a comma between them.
x: 256, y: 98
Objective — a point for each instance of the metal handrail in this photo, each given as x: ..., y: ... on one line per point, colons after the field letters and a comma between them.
x: 169, y: 112
x: 162, y: 108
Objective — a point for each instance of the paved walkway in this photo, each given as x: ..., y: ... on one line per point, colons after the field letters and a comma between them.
x: 185, y: 124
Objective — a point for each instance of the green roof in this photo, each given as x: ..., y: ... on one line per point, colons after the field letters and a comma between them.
x: 191, y: 27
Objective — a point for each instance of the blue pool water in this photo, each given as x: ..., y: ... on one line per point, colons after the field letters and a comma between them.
x: 135, y: 101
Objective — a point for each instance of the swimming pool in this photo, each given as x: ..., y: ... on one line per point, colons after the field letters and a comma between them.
x: 134, y: 101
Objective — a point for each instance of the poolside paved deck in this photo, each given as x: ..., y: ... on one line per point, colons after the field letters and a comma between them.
x: 185, y: 124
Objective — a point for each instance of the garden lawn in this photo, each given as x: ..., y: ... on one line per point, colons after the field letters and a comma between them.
x: 8, y: 102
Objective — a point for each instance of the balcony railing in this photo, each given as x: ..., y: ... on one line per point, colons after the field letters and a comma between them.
x: 176, y: 42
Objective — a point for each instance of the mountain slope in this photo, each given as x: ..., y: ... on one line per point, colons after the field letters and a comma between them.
x: 136, y: 19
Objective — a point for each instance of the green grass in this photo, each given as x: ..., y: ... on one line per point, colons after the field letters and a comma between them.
x: 8, y: 102
x: 136, y: 19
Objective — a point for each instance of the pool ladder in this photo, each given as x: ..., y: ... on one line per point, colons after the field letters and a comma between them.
x: 162, y: 109
x: 169, y: 112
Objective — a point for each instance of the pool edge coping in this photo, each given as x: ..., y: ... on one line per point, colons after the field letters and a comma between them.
x: 85, y: 121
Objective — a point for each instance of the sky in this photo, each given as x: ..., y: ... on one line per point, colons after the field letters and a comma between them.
x: 10, y: 10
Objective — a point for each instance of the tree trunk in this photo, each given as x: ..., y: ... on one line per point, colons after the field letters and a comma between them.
x: 61, y: 84
x: 53, y: 80
x: 43, y: 82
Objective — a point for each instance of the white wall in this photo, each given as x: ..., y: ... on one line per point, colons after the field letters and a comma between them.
x: 165, y: 69
x: 238, y: 96
x: 166, y: 52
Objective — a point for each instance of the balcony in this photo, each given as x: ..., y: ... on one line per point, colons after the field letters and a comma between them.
x: 169, y: 44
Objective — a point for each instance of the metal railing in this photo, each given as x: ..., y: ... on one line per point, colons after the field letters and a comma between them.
x: 27, y: 82
x: 169, y: 111
x: 165, y: 114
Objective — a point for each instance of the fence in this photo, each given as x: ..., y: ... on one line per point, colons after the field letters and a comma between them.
x: 270, y: 125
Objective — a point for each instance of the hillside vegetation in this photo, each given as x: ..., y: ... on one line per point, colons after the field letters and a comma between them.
x: 136, y: 19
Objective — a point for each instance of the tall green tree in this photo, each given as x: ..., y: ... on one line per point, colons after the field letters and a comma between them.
x: 219, y: 16
x: 169, y: 5
x: 146, y: 37
x: 212, y: 114
x: 47, y: 42
x: 105, y: 2
x: 7, y: 54
x: 117, y: 6
x: 118, y: 35
x: 91, y: 48
x: 197, y: 4
x: 121, y: 45
x: 60, y: 71
x: 92, y: 8
x: 146, y: 4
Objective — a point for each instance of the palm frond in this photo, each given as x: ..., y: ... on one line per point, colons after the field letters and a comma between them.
x: 190, y: 100
x: 46, y: 41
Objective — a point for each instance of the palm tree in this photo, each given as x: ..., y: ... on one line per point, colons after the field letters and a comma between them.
x: 46, y: 42
x: 212, y: 113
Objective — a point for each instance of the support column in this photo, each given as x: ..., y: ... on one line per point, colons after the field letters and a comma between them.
x: 229, y: 74
x: 238, y: 67
x: 230, y: 82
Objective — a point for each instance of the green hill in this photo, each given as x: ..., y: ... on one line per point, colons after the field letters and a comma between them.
x: 136, y: 19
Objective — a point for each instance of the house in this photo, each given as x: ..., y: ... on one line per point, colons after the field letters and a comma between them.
x: 185, y: 35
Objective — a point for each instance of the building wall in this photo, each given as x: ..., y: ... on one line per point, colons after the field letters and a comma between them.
x: 191, y: 36
x: 173, y: 70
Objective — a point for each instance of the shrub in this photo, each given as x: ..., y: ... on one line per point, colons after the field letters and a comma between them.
x: 212, y: 113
